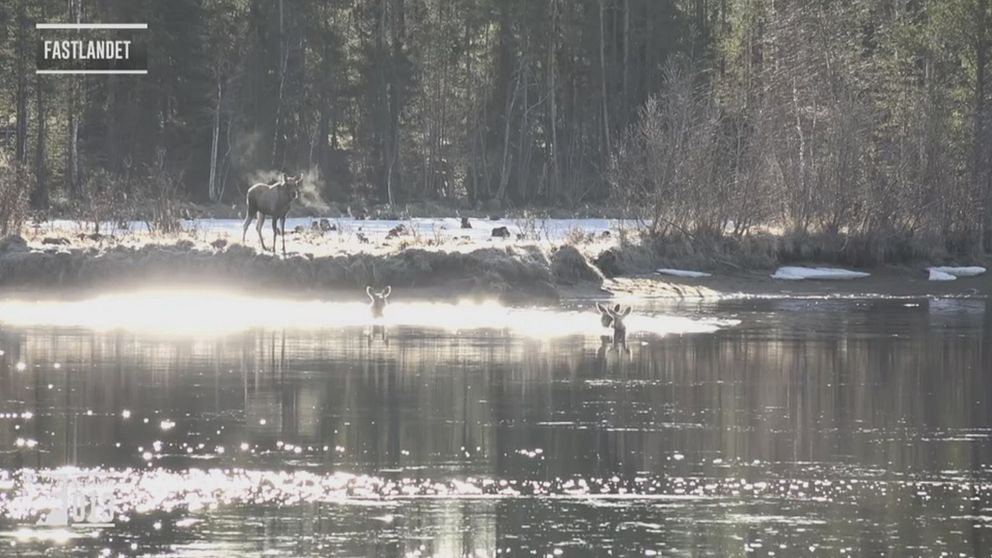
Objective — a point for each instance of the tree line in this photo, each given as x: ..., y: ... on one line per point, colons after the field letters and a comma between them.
x: 863, y: 117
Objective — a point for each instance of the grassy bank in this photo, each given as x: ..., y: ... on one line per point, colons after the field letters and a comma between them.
x: 509, y: 272
x: 447, y: 262
x: 766, y: 251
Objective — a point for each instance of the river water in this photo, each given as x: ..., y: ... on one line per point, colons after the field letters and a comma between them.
x: 748, y: 427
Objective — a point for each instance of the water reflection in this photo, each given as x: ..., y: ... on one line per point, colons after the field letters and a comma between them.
x: 809, y: 427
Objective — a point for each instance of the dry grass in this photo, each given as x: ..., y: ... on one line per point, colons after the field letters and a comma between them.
x: 767, y: 250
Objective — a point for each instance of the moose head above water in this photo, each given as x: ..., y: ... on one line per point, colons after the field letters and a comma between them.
x: 613, y: 317
x: 378, y: 300
x: 272, y: 200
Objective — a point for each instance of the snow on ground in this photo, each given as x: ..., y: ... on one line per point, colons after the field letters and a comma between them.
x: 949, y: 273
x: 355, y: 236
x: 552, y: 230
x: 682, y: 273
x: 793, y: 273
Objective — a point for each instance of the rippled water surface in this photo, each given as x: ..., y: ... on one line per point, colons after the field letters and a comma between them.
x: 768, y: 427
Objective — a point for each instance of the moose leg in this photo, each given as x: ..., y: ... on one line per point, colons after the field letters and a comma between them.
x: 275, y: 232
x: 258, y: 228
x: 248, y: 219
x: 282, y: 227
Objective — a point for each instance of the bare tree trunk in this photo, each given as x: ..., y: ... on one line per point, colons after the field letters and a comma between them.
x: 472, y: 181
x: 394, y: 175
x: 21, y: 137
x: 212, y: 189
x: 72, y: 170
x: 625, y: 105
x: 504, y: 174
x: 801, y: 177
x: 389, y: 183
x: 522, y: 138
x: 323, y: 159
x: 225, y: 162
x: 277, y: 143
x: 72, y: 173
x: 979, y: 167
x: 552, y: 104
x: 602, y: 71
x: 39, y: 198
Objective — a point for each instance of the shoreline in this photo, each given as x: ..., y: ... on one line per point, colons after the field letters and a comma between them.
x: 514, y: 272
x: 884, y: 282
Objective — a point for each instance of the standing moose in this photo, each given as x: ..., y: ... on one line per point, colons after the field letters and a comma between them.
x: 613, y: 317
x: 377, y: 305
x: 378, y: 300
x: 272, y: 200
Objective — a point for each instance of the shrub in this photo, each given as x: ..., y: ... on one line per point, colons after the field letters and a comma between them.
x: 105, y: 202
x: 161, y: 199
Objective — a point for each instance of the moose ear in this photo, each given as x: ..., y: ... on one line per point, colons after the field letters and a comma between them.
x: 602, y: 309
x: 616, y: 308
x: 626, y: 311
x: 387, y: 291
x: 368, y: 291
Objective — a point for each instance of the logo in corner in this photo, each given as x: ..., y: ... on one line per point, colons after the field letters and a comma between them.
x: 91, y: 48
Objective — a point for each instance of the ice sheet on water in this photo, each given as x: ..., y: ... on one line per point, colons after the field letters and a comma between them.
x: 950, y: 273
x: 795, y: 273
x: 682, y: 273
x: 938, y: 275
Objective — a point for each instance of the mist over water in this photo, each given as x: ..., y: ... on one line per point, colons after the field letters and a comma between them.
x: 776, y: 428
x: 200, y: 312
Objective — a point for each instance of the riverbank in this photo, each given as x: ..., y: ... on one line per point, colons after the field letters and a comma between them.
x: 885, y: 281
x: 429, y: 258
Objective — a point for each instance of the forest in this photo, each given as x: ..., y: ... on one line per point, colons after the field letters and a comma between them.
x: 868, y: 119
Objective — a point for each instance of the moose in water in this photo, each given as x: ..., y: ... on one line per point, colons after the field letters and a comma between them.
x: 272, y: 200
x: 378, y: 300
x: 377, y: 305
x: 613, y: 318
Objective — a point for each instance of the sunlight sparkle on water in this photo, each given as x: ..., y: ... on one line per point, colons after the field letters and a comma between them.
x: 217, y: 312
x: 143, y: 491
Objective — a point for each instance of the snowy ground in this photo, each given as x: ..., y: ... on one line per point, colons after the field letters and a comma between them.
x: 550, y: 230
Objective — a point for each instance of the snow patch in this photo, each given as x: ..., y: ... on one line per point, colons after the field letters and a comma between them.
x: 682, y: 273
x: 792, y: 273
